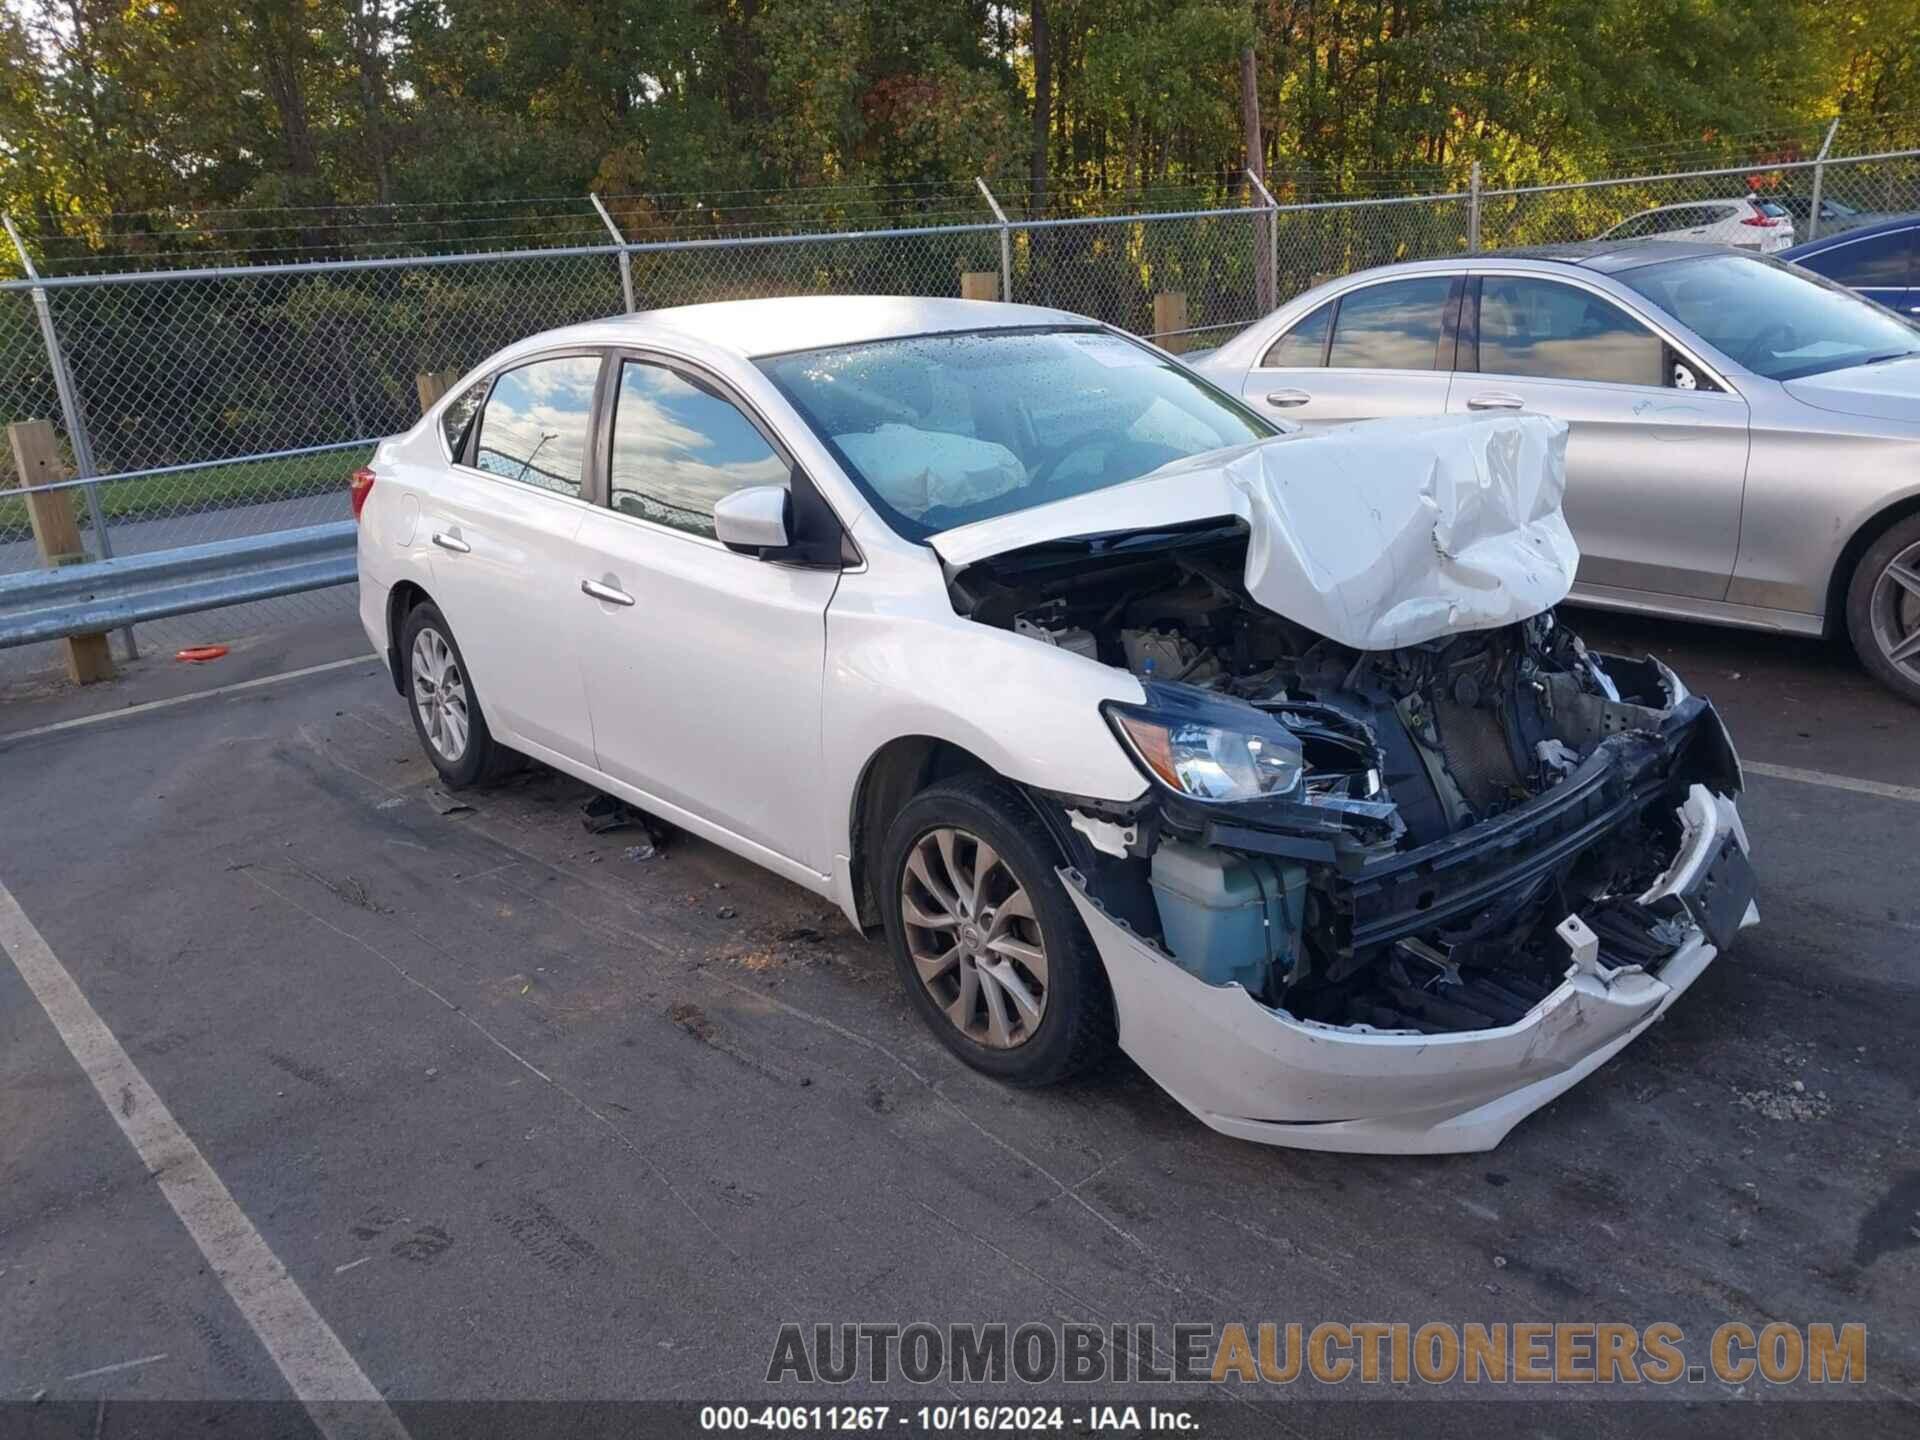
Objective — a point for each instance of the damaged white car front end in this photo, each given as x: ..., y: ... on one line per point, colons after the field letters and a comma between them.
x: 1412, y: 861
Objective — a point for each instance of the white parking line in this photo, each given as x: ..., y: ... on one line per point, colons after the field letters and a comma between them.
x: 1832, y: 782
x: 80, y: 721
x: 316, y: 1365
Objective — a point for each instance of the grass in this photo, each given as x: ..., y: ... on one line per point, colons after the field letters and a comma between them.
x: 195, y: 492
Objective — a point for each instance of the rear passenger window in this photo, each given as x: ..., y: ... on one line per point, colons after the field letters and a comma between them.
x: 535, y: 425
x: 1302, y: 346
x: 1561, y: 332
x: 1395, y: 326
x: 1884, y: 262
x: 459, y: 414
x: 678, y: 446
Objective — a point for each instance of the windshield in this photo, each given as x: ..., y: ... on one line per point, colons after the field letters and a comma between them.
x: 1777, y: 322
x: 944, y: 430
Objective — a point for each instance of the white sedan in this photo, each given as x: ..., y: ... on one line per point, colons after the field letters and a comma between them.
x: 1127, y: 718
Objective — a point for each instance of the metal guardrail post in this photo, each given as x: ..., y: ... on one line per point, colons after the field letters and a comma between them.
x: 1819, y: 173
x: 1473, y: 210
x: 1006, y: 240
x: 70, y: 412
x: 1267, y: 286
x: 626, y: 260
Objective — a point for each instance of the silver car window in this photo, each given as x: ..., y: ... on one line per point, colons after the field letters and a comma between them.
x: 678, y: 447
x: 1551, y: 331
x: 535, y: 424
x: 1304, y: 345
x: 1395, y: 326
x: 1776, y: 321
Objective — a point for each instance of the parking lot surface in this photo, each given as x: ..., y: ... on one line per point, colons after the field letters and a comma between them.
x: 527, y: 1117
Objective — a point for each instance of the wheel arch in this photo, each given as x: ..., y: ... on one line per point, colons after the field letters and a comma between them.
x: 893, y: 775
x: 1861, y: 541
x: 401, y: 601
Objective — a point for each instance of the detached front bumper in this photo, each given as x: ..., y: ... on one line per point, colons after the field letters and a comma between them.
x: 1257, y: 1073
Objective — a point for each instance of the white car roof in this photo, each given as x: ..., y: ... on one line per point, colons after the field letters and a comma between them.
x: 749, y: 328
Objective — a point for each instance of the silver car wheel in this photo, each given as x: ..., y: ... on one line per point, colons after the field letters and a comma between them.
x: 440, y: 695
x: 974, y: 938
x: 1894, y: 611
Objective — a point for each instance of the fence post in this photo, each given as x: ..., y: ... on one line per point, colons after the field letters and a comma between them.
x: 979, y: 285
x: 430, y: 385
x: 626, y: 260
x: 1170, y: 320
x: 1266, y: 283
x: 1819, y: 173
x: 36, y: 456
x: 70, y: 412
x: 1006, y: 240
x: 1473, y: 210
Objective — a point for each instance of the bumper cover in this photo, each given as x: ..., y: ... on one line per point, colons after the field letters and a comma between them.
x: 1257, y: 1073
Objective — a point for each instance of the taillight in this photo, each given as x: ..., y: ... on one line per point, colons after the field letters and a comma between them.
x: 359, y: 486
x: 1765, y: 222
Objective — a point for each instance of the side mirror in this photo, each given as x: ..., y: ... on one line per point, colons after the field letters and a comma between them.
x: 753, y: 520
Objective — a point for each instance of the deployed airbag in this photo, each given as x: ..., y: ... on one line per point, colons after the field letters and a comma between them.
x: 918, y: 470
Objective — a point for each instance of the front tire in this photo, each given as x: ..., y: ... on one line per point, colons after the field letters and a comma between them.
x: 1883, y: 609
x: 445, y: 708
x: 991, y: 950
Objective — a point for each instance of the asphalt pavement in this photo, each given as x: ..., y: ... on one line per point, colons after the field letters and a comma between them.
x: 524, y: 1117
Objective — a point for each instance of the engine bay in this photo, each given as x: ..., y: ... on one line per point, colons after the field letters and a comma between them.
x: 1458, y: 799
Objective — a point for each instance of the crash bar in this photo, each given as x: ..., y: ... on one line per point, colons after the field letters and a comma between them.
x: 103, y: 595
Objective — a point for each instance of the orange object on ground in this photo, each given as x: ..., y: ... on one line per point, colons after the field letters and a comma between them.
x: 200, y: 654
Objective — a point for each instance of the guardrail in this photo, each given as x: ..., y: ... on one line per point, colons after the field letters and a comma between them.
x: 106, y: 594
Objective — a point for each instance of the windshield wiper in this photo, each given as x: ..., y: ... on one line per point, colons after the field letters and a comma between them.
x: 1890, y: 355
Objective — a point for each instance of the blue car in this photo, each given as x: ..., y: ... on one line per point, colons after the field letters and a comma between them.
x: 1881, y: 262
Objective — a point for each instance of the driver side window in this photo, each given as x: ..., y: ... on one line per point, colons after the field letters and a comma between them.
x: 678, y: 446
x: 1545, y: 330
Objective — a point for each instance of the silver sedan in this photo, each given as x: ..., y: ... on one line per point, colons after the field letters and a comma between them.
x: 1745, y: 436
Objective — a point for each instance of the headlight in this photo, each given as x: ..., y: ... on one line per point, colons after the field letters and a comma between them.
x: 1209, y: 748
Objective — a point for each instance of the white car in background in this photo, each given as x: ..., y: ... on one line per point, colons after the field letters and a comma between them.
x: 1746, y: 223
x: 1125, y: 717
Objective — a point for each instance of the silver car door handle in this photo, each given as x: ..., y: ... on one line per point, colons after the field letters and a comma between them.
x: 453, y: 543
x: 1494, y: 400
x: 609, y: 593
x: 1286, y: 399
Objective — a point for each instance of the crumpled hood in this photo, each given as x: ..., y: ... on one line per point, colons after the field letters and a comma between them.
x: 1887, y: 391
x: 1376, y: 535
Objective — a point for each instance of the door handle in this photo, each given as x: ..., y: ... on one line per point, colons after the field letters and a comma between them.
x: 612, y: 594
x: 1287, y: 399
x: 453, y: 543
x: 1494, y: 400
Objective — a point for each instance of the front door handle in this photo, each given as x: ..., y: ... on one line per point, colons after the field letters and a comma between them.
x: 1494, y: 400
x: 453, y: 543
x: 612, y: 594
x: 1287, y: 399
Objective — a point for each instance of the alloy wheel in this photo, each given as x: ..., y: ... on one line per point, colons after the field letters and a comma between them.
x: 973, y: 937
x: 1894, y: 612
x: 440, y: 695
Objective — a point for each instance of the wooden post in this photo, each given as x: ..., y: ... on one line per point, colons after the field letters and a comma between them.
x: 36, y: 456
x: 1170, y: 314
x: 431, y: 385
x: 980, y: 285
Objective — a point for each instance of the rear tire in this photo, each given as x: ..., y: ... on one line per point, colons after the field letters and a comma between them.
x: 989, y: 946
x: 445, y: 707
x: 1883, y: 609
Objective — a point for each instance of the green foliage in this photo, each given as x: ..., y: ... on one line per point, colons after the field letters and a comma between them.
x: 110, y: 111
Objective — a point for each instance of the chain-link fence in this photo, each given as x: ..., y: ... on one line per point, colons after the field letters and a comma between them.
x: 215, y: 400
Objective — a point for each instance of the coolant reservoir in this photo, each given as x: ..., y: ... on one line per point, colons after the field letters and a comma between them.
x: 1226, y: 917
